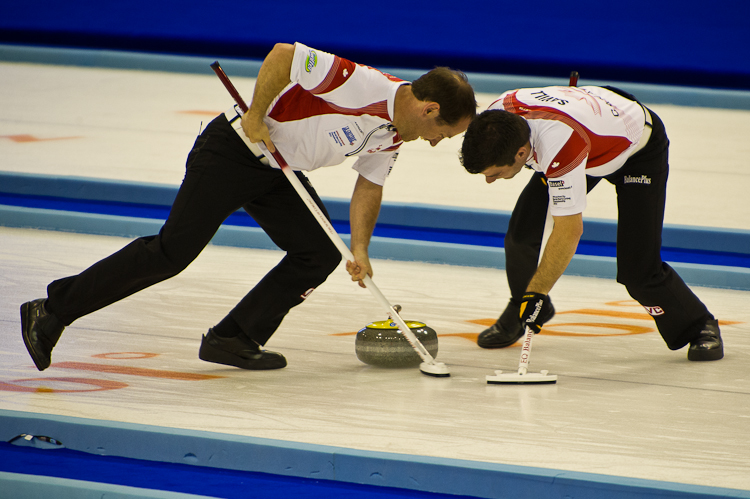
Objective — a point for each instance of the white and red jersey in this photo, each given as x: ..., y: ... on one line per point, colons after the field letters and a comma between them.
x: 576, y: 131
x: 334, y: 109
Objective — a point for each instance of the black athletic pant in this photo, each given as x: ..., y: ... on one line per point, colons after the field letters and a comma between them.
x: 222, y: 176
x: 641, y: 194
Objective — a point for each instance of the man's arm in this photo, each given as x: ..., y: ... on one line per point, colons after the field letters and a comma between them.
x: 363, y: 213
x: 273, y: 77
x: 560, y: 249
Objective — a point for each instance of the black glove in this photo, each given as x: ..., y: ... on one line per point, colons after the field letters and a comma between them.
x: 531, y: 310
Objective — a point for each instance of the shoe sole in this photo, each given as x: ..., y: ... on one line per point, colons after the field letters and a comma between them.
x: 701, y: 355
x: 491, y: 346
x: 484, y: 342
x: 209, y: 353
x: 25, y: 319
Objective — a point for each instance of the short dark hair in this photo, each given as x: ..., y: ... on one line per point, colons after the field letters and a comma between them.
x: 451, y: 89
x: 493, y: 139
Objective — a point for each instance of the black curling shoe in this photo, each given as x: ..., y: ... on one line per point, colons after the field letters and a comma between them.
x: 708, y: 344
x: 41, y: 331
x: 238, y: 353
x: 508, y: 329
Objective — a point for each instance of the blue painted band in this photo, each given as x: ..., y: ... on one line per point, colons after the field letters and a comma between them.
x: 432, y: 474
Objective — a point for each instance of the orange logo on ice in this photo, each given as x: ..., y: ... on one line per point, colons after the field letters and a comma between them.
x: 22, y: 138
x: 594, y: 322
x: 75, y: 385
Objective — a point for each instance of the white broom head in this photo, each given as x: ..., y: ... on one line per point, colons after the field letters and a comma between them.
x: 517, y: 378
x: 436, y: 369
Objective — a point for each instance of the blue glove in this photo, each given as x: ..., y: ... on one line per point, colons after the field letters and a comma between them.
x: 531, y: 310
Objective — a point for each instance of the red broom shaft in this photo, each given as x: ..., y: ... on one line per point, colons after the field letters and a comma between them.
x: 229, y: 86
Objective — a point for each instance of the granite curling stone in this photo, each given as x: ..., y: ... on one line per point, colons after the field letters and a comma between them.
x: 382, y: 344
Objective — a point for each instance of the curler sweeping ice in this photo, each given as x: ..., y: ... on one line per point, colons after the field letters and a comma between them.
x: 429, y: 366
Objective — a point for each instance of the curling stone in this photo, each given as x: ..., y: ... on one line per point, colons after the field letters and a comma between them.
x: 382, y: 344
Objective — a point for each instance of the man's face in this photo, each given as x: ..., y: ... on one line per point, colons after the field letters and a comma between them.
x: 493, y: 173
x: 429, y: 128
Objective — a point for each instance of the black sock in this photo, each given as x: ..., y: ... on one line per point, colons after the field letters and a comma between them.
x: 227, y: 328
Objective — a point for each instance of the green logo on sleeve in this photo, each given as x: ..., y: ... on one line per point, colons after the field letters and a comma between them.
x: 311, y: 61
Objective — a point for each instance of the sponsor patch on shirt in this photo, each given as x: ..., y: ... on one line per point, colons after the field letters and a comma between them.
x: 311, y: 61
x: 345, y: 136
x: 561, y: 192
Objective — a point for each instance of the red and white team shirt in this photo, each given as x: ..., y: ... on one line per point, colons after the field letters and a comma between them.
x: 576, y: 131
x: 334, y: 109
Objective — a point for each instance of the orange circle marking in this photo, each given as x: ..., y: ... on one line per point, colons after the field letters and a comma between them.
x: 39, y: 385
x: 625, y: 329
x: 125, y: 355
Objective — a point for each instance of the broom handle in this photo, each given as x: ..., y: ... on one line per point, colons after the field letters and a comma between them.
x: 523, y: 363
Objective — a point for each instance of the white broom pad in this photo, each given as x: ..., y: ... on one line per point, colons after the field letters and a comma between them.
x: 517, y: 378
